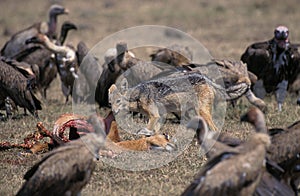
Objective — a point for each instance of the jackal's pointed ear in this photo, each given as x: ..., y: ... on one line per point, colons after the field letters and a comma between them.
x: 112, y: 89
x: 123, y: 85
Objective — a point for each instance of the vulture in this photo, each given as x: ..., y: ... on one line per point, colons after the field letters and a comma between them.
x: 295, y: 86
x: 275, y: 63
x: 89, y: 72
x: 285, y: 147
x: 117, y: 61
x: 44, y: 58
x: 66, y: 61
x: 230, y: 171
x: 15, y: 47
x: 68, y: 168
x: 175, y: 55
x: 31, y: 72
x: 15, y: 85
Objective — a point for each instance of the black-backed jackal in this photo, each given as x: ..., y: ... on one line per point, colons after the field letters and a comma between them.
x: 186, y: 94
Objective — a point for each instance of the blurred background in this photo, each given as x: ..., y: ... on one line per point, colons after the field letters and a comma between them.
x: 226, y: 28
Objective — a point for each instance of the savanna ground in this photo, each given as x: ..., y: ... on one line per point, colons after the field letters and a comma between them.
x: 225, y: 28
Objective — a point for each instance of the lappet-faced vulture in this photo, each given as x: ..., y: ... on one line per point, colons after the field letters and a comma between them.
x: 275, y: 63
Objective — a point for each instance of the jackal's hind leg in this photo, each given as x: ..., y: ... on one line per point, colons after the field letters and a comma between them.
x: 206, y: 99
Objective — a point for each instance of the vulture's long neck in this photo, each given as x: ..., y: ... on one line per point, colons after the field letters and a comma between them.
x: 52, y: 25
x: 63, y: 36
x: 55, y: 48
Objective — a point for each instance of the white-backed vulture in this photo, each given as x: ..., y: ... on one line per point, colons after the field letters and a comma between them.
x: 47, y: 64
x: 275, y: 63
x: 19, y: 88
x: 67, y: 169
x: 232, y: 171
x: 66, y: 61
x: 216, y: 143
x: 285, y: 147
x: 15, y: 47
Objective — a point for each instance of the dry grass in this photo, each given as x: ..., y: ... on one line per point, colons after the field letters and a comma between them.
x: 224, y: 27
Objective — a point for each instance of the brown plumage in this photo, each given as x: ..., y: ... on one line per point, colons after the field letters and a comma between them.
x: 66, y: 60
x: 207, y: 139
x: 116, y: 63
x: 45, y: 60
x: 275, y: 63
x: 15, y: 47
x: 214, y: 144
x: 232, y: 171
x: 295, y: 86
x: 175, y: 55
x: 19, y: 88
x: 67, y: 169
x: 285, y: 147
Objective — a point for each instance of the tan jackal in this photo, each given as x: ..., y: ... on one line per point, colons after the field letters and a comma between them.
x: 187, y: 94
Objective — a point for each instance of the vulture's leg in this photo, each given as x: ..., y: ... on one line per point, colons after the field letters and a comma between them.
x: 8, y: 108
x: 44, y: 94
x: 280, y: 93
x: 259, y: 89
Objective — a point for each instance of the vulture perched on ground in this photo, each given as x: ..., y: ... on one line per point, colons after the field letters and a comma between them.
x: 232, y: 171
x: 214, y: 144
x: 117, y: 61
x: 66, y: 60
x: 89, y: 72
x: 15, y: 85
x: 275, y: 63
x: 15, y: 47
x: 285, y: 147
x: 45, y: 60
x: 31, y: 72
x: 68, y: 168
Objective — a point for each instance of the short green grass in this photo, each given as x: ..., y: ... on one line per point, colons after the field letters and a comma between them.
x: 226, y: 28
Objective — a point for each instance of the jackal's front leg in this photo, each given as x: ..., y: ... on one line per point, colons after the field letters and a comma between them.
x: 153, y: 112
